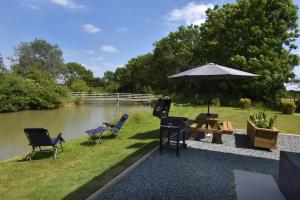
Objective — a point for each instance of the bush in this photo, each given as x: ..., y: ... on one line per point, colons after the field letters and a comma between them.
x: 18, y: 93
x: 215, y: 102
x: 245, y: 103
x: 288, y: 107
x: 79, y: 85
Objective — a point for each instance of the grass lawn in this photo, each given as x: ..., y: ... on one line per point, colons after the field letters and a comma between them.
x: 238, y: 117
x: 82, y: 169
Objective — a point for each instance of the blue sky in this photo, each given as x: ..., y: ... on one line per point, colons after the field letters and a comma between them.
x: 101, y: 35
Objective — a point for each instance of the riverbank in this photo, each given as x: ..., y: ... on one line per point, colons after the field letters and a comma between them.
x: 82, y: 169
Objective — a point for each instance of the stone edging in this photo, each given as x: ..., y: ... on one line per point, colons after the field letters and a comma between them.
x: 117, y: 179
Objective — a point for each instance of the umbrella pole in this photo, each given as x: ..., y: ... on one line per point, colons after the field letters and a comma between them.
x: 209, y: 96
x: 209, y: 100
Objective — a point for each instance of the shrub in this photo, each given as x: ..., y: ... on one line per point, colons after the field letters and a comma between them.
x: 245, y: 103
x: 261, y: 120
x: 18, y: 93
x: 79, y: 85
x: 288, y: 107
x: 215, y: 102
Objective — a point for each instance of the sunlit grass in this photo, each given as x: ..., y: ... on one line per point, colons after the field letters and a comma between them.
x: 239, y: 117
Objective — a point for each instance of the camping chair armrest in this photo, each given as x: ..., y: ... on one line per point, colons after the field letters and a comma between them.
x: 61, y: 139
x: 108, y: 124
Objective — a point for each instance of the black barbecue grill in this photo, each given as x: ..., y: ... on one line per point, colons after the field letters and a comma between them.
x: 171, y: 125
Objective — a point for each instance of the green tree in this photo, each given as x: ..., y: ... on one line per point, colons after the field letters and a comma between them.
x: 177, y: 52
x: 40, y: 54
x: 77, y: 71
x: 79, y: 85
x: 255, y: 36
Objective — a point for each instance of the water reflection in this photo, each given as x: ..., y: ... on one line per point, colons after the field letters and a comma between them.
x: 72, y: 121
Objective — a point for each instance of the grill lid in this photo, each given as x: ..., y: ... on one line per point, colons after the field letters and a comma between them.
x: 162, y: 108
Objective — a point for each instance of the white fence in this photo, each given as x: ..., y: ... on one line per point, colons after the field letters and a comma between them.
x: 90, y: 96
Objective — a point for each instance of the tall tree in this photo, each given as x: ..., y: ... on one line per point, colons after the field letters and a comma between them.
x: 39, y: 54
x: 255, y: 36
x: 175, y: 53
x: 75, y: 71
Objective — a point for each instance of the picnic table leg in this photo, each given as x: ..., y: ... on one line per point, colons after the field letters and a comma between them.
x: 217, y: 138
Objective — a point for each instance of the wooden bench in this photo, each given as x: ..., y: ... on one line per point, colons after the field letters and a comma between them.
x: 255, y: 186
x: 222, y: 128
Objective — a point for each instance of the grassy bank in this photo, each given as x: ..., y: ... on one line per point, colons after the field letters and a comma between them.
x: 82, y: 169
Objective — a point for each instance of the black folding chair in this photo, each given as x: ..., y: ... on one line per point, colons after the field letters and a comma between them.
x: 39, y: 137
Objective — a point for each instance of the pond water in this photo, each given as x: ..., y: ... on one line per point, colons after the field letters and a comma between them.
x: 71, y: 121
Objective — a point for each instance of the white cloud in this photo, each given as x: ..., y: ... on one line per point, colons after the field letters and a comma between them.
x: 92, y: 59
x: 68, y: 4
x: 109, y: 49
x: 91, y: 28
x: 96, y: 58
x: 123, y: 29
x: 32, y: 4
x: 192, y: 13
x: 88, y: 51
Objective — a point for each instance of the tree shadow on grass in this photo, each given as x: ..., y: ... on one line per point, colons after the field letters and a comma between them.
x: 97, y: 182
x: 141, y: 145
x: 154, y: 134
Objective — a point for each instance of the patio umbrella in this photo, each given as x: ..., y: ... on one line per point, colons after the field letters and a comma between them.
x: 211, y: 72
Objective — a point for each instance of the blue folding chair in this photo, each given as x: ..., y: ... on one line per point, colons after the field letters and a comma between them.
x: 96, y: 134
x: 39, y: 137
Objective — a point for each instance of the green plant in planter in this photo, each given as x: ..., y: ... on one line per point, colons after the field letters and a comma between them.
x: 261, y: 120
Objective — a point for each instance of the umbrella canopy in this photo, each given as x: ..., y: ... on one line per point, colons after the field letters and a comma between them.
x: 212, y: 71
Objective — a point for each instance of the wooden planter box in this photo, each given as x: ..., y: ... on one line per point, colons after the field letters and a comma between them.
x: 261, y: 137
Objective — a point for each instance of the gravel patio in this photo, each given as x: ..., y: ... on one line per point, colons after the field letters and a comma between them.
x: 203, y: 171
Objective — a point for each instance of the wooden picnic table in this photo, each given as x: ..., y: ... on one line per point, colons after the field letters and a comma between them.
x: 209, y: 124
x: 207, y: 119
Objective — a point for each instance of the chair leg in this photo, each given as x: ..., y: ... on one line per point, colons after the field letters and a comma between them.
x: 31, y: 154
x: 98, y: 140
x: 54, y: 153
